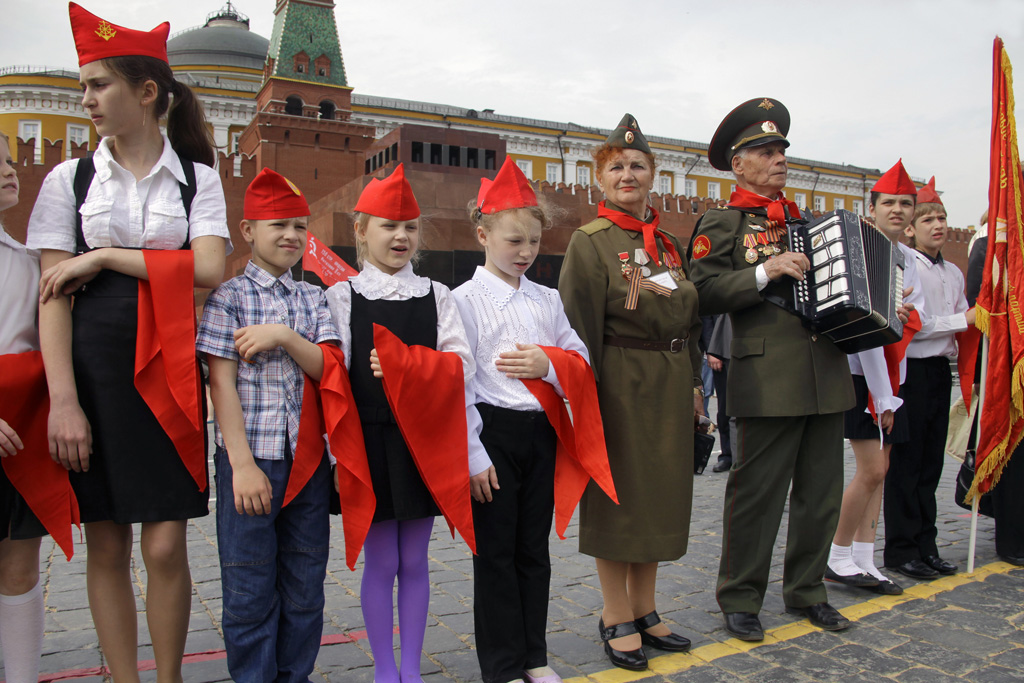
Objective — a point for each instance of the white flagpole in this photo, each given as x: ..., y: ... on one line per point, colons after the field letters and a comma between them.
x: 977, y: 498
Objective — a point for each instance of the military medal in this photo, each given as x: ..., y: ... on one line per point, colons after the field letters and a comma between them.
x: 751, y: 256
x: 627, y: 269
x: 641, y: 258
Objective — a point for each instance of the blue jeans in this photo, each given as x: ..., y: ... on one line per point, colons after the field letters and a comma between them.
x: 272, y: 571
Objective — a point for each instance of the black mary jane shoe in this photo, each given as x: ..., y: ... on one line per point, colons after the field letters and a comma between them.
x: 634, y: 660
x: 887, y: 587
x: 670, y: 643
x: 861, y: 580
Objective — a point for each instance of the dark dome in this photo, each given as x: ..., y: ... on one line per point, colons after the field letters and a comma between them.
x: 225, y: 40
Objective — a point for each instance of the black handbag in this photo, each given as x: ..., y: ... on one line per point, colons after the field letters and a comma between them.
x: 964, y: 478
x: 703, y: 444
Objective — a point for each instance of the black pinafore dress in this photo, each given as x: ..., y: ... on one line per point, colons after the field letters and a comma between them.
x: 135, y: 473
x: 400, y: 491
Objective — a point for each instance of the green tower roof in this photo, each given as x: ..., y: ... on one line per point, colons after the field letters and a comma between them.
x: 306, y: 27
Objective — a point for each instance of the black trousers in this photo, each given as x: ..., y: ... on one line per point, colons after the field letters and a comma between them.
x: 722, y: 418
x: 1008, y: 507
x: 916, y: 465
x: 512, y: 567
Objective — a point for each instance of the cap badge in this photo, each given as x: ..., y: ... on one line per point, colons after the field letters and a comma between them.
x: 105, y: 30
x: 629, y: 137
x: 293, y: 188
x: 766, y: 104
x: 769, y: 127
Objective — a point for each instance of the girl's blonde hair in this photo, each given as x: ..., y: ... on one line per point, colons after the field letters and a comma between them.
x: 545, y: 213
x: 361, y: 220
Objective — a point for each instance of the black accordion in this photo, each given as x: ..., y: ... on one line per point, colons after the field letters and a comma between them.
x: 855, y: 284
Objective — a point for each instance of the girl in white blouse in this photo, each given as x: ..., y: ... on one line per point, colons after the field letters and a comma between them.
x: 141, y: 194
x: 512, y: 444
x: 419, y: 312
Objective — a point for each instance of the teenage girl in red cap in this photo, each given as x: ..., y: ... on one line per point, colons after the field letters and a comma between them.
x: 128, y: 233
x: 411, y: 404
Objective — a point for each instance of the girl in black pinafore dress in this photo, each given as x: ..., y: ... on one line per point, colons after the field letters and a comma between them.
x: 418, y: 312
x: 103, y: 224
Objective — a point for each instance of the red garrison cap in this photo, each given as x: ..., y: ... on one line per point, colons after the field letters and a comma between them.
x: 97, y: 38
x: 272, y: 196
x: 895, y: 181
x: 391, y: 198
x: 509, y: 190
x: 927, y: 194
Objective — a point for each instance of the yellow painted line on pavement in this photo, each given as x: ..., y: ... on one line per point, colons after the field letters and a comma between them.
x: 665, y: 665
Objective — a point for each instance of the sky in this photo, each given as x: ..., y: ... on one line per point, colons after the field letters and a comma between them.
x: 866, y: 81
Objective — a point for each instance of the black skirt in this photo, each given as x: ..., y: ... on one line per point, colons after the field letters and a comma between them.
x: 17, y: 521
x: 135, y: 473
x: 857, y: 423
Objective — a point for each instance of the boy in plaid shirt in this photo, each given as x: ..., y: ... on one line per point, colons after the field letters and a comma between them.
x: 260, y: 332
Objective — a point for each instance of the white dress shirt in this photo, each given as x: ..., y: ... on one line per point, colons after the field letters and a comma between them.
x: 120, y: 211
x: 497, y: 316
x: 943, y: 286
x: 19, y: 296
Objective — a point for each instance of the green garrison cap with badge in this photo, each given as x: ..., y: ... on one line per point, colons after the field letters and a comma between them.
x: 627, y: 135
x: 755, y: 122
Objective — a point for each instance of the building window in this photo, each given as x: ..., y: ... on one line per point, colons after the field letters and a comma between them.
x: 554, y: 173
x: 322, y: 66
x: 327, y: 110
x: 819, y: 204
x: 583, y: 176
x: 800, y: 199
x: 838, y: 203
x: 472, y: 157
x: 858, y: 207
x: 690, y: 188
x: 293, y: 106
x: 665, y: 184
x: 435, y: 153
x: 714, y: 191
x: 301, y: 63
x: 394, y: 152
x: 235, y: 139
x: 417, y: 153
x: 490, y: 160
x: 76, y: 136
x: 732, y: 188
x: 526, y: 166
x: 454, y: 155
x: 32, y: 130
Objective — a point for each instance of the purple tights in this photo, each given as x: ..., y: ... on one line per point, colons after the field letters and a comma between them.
x: 396, y: 549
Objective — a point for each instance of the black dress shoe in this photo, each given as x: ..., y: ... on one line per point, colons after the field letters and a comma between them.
x: 822, y: 615
x: 634, y: 660
x: 744, y: 626
x: 670, y: 643
x: 722, y: 465
x: 940, y: 565
x: 1012, y: 559
x: 887, y: 587
x: 860, y: 580
x: 916, y: 569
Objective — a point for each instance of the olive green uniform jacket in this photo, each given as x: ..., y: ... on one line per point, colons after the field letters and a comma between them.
x: 646, y: 398
x: 788, y: 389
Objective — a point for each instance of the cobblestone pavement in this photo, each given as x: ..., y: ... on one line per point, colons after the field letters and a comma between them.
x: 963, y: 627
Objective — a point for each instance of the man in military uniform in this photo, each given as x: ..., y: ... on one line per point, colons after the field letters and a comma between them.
x: 787, y: 387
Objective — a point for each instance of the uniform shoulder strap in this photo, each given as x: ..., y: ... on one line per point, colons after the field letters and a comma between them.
x: 84, y: 172
x: 189, y: 188
x: 596, y: 226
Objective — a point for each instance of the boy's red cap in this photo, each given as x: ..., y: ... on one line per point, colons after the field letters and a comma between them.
x: 272, y: 196
x: 509, y: 190
x: 97, y: 38
x: 391, y: 198
x: 927, y: 194
x: 895, y: 181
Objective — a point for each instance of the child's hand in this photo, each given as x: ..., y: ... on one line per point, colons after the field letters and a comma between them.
x: 375, y: 365
x: 68, y: 276
x: 69, y: 435
x: 252, y: 489
x: 529, y: 362
x: 886, y: 421
x: 481, y: 484
x: 10, y: 442
x: 256, y: 338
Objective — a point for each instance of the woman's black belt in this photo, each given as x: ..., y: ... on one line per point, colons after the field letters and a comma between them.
x: 674, y: 345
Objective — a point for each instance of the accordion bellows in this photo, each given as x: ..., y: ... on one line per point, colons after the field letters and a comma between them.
x: 855, y: 284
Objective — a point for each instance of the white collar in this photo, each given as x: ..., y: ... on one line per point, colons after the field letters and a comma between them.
x: 373, y: 283
x: 5, y: 238
x: 502, y: 292
x: 104, y: 162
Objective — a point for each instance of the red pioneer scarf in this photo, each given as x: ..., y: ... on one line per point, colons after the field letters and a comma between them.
x: 745, y: 199
x: 581, y: 454
x: 426, y: 390
x: 650, y: 232
x: 43, y: 483
x: 166, y: 367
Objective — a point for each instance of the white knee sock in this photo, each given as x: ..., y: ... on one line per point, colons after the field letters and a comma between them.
x: 840, y: 560
x: 21, y: 634
x: 864, y: 557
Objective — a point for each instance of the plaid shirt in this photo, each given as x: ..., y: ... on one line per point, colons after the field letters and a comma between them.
x: 269, y: 387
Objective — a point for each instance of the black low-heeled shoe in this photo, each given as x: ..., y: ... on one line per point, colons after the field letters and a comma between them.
x: 634, y: 660
x: 670, y: 643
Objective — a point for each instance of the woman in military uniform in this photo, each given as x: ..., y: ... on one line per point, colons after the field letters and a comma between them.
x: 627, y: 296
